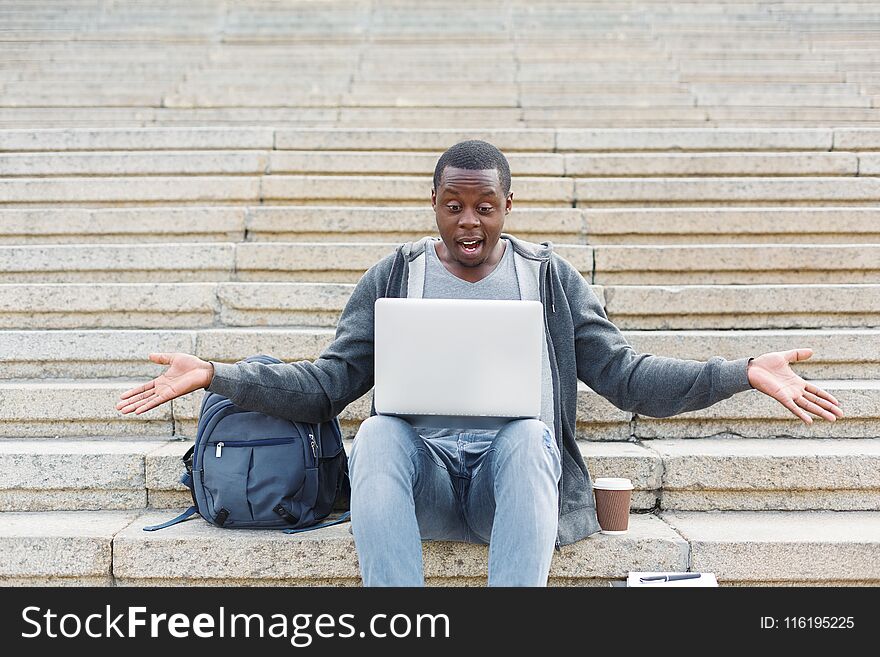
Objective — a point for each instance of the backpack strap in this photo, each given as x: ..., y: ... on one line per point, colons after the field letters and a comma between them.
x: 186, y: 515
x: 344, y: 517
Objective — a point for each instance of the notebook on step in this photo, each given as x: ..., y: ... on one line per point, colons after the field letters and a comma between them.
x: 458, y: 362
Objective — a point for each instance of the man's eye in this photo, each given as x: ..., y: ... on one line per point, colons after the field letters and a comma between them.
x: 486, y: 208
x: 453, y: 208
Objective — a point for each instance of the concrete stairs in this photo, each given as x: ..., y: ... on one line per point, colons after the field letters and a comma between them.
x: 215, y: 184
x: 361, y: 62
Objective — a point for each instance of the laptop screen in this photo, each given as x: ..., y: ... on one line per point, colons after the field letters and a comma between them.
x: 441, y: 359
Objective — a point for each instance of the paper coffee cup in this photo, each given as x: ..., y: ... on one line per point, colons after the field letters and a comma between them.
x: 613, y: 496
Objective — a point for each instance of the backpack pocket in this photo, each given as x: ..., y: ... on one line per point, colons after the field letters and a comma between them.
x: 334, y: 492
x: 238, y: 498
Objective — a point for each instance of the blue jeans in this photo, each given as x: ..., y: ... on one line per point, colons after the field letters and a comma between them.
x: 499, y: 490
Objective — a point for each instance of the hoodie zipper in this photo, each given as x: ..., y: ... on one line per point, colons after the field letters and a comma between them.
x: 554, y: 376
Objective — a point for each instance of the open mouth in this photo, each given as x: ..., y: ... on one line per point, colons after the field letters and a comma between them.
x: 470, y: 246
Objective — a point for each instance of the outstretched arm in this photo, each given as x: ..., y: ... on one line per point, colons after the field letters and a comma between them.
x: 770, y: 373
x: 654, y: 386
x: 185, y: 374
x: 657, y: 386
x: 303, y: 390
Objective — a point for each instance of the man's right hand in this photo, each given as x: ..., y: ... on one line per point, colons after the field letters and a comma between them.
x: 186, y: 374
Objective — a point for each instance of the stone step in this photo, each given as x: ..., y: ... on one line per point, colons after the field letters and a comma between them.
x: 346, y: 262
x: 58, y: 475
x: 170, y: 163
x: 535, y: 89
x: 112, y: 139
x: 74, y: 475
x: 475, y: 120
x: 272, y: 96
x: 130, y: 190
x: 117, y: 263
x: 767, y: 117
x: 73, y: 548
x: 96, y: 87
x: 745, y: 264
x: 87, y: 408
x: 423, y: 139
x: 809, y: 88
x: 586, y: 74
x: 280, y: 95
x: 765, y: 474
x: 737, y: 99
x: 384, y: 138
x: 720, y: 50
x: 727, y: 191
x: 593, y: 165
x: 138, y: 118
x: 632, y: 98
x: 122, y: 225
x: 713, y: 117
x: 112, y: 305
x: 110, y: 547
x: 756, y: 306
x: 90, y: 75
x: 58, y: 53
x: 736, y: 417
x: 366, y: 224
x: 801, y: 225
x: 783, y: 76
x: 731, y: 70
x: 396, y: 162
x: 205, y: 305
x: 135, y: 163
x: 782, y: 548
x: 698, y: 474
x: 207, y: 262
x: 85, y: 354
x: 130, y: 99
x: 391, y: 189
x: 543, y: 84
x: 585, y: 192
x: 718, y: 164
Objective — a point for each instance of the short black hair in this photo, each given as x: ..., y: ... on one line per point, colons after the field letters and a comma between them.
x: 474, y: 155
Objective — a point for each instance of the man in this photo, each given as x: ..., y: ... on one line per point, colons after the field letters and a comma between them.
x: 525, y: 487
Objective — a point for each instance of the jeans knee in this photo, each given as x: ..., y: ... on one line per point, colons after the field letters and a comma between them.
x: 381, y: 440
x: 526, y: 446
x: 524, y: 435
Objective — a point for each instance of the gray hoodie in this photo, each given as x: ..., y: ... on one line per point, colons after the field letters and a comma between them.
x: 582, y: 343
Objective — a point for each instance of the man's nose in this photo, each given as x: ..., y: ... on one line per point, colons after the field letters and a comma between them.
x: 468, y: 218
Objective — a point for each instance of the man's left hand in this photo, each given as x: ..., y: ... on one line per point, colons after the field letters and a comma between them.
x: 771, y: 374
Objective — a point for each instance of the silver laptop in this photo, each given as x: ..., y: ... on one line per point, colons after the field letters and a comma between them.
x: 458, y: 362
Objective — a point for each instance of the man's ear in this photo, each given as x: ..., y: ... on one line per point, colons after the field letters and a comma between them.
x: 508, y: 205
x: 433, y: 198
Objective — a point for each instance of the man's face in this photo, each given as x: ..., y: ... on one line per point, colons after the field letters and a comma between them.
x: 470, y: 207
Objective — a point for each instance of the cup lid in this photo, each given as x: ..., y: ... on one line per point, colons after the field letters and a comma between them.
x: 613, y: 483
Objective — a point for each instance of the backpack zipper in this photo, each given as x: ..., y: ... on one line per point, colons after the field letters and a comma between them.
x: 204, y: 422
x: 218, y: 446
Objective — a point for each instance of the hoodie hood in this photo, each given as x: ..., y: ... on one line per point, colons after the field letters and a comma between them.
x: 542, y: 252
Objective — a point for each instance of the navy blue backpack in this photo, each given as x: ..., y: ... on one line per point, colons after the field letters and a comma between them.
x: 252, y: 470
